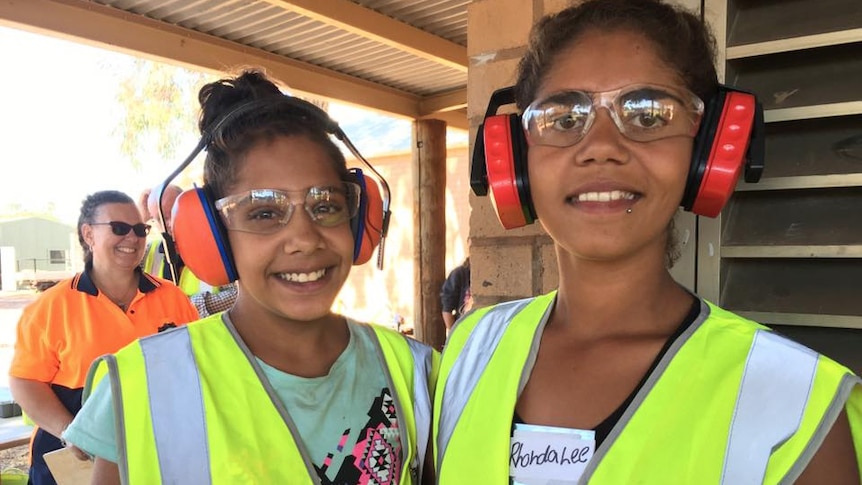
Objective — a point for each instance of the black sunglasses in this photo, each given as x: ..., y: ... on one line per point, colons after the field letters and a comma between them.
x: 122, y: 228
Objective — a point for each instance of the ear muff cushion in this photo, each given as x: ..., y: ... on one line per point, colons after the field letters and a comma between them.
x: 727, y: 155
x: 503, y: 177
x: 201, y: 239
x: 368, y: 223
x: 703, y: 143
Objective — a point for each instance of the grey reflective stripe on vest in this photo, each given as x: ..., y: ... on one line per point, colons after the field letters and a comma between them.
x: 113, y: 376
x: 776, y: 384
x: 469, y: 367
x: 422, y: 355
x: 177, y: 408
x: 158, y: 262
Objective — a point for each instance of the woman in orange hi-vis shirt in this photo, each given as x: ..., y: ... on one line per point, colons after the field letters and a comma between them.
x: 110, y: 304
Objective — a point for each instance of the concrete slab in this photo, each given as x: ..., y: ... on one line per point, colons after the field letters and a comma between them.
x: 13, y: 432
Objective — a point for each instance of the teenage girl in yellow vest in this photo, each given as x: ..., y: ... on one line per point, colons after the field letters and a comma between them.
x: 278, y: 389
x: 622, y: 376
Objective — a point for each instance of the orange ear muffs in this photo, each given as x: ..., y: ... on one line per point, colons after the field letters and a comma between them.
x: 367, y: 225
x: 201, y: 238
x: 730, y: 139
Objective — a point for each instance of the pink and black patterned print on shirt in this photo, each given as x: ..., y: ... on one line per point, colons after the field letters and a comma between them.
x: 375, y: 458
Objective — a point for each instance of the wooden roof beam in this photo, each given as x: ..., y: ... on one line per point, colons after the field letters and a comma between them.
x: 443, y: 102
x: 111, y: 28
x: 367, y: 23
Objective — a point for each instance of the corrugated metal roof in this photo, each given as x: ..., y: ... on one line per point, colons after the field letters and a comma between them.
x: 445, y: 18
x: 274, y: 27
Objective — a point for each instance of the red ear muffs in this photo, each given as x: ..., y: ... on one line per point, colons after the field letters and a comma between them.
x: 367, y: 225
x: 729, y: 139
x: 506, y: 165
x: 499, y: 163
x: 201, y: 238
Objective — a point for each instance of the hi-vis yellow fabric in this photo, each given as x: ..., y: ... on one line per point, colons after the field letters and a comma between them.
x: 690, y: 423
x: 154, y: 264
x: 244, y: 436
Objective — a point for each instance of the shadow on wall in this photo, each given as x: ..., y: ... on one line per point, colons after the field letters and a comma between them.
x: 386, y: 297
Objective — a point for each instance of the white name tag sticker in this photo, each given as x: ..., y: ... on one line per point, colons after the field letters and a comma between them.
x: 543, y: 455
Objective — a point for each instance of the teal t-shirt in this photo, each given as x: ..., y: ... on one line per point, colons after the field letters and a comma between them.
x: 346, y: 419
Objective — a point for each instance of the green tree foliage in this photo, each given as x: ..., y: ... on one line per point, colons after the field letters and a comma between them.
x: 16, y: 210
x: 159, y: 110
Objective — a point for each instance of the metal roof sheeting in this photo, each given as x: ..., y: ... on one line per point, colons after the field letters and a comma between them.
x: 272, y: 27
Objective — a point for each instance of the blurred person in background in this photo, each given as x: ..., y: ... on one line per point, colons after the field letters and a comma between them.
x: 455, y: 294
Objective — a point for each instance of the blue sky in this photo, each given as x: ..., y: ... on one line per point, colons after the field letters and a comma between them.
x: 58, y: 119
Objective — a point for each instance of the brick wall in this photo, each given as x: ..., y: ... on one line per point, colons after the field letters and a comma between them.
x: 516, y: 263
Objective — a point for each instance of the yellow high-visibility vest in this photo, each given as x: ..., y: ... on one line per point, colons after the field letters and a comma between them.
x: 194, y: 408
x: 154, y: 264
x: 730, y: 402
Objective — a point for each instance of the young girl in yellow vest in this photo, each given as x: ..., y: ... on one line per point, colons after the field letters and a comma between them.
x: 621, y: 375
x: 278, y: 389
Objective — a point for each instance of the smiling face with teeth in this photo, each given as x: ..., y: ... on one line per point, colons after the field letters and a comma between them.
x: 110, y: 250
x: 295, y: 273
x: 607, y: 196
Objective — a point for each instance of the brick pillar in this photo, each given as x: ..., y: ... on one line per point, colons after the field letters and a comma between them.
x: 518, y: 263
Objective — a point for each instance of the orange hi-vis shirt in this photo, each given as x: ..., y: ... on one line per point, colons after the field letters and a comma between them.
x: 71, y: 324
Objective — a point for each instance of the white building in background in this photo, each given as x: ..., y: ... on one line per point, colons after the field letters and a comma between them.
x: 37, y: 249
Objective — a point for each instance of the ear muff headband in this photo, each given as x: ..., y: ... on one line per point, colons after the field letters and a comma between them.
x: 200, y: 225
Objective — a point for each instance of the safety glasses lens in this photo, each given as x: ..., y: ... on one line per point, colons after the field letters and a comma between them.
x: 559, y: 120
x: 265, y: 211
x: 641, y: 113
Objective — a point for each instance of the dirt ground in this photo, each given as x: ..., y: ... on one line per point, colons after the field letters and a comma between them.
x: 15, y: 458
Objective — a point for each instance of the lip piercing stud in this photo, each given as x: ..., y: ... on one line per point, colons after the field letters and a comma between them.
x: 628, y: 211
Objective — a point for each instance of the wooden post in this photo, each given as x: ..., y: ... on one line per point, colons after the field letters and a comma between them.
x: 429, y: 214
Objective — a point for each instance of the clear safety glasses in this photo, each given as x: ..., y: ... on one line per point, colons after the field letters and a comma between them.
x: 641, y: 112
x: 265, y: 211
